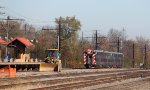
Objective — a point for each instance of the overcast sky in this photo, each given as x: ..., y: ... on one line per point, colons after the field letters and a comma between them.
x: 132, y: 15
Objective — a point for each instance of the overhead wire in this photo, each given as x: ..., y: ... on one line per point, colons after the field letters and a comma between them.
x: 36, y: 22
x: 39, y: 23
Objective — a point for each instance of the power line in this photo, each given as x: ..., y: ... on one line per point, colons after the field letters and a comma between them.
x: 31, y: 20
x: 95, y: 37
x: 59, y: 34
x: 11, y: 19
x: 96, y: 40
x: 8, y: 29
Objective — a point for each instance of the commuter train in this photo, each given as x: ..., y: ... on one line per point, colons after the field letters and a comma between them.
x: 104, y: 59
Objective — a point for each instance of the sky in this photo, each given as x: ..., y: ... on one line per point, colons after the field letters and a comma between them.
x: 101, y: 15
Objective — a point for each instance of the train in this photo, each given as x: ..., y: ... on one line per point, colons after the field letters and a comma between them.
x: 102, y: 59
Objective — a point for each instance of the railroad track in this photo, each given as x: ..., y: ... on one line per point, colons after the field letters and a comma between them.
x: 17, y: 80
x: 81, y: 84
x: 126, y: 86
x: 76, y: 81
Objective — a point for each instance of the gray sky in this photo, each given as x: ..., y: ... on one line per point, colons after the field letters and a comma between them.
x: 132, y: 15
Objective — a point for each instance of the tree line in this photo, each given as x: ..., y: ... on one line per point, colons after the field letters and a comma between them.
x: 72, y: 46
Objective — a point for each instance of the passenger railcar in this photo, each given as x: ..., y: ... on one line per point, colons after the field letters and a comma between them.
x: 100, y: 58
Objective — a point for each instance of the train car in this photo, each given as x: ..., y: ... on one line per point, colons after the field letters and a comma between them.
x: 100, y: 58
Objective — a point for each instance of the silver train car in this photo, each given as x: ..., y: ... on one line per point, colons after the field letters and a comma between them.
x: 100, y: 58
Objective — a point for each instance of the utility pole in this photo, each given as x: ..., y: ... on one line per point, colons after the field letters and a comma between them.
x: 145, y: 57
x: 25, y: 29
x: 96, y: 40
x: 118, y: 44
x: 82, y: 36
x: 133, y: 57
x: 7, y: 31
x: 59, y: 36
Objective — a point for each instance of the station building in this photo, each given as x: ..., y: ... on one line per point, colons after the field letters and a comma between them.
x: 20, y: 49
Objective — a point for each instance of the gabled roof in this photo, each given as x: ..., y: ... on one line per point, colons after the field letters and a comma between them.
x: 24, y: 41
x: 3, y: 41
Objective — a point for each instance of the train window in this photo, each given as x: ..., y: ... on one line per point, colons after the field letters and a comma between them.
x: 112, y: 56
x: 120, y: 57
x: 90, y: 56
x: 115, y: 55
x: 98, y: 55
x: 109, y: 56
x: 85, y: 52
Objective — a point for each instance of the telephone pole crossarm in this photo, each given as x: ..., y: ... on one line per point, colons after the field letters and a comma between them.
x: 59, y: 34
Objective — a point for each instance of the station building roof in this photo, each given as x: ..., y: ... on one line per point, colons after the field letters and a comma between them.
x: 24, y: 41
x: 3, y: 41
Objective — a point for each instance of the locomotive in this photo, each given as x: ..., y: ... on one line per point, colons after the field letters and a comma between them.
x: 101, y: 58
